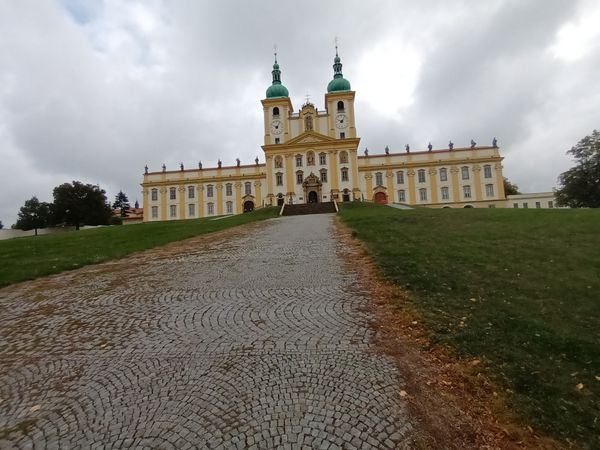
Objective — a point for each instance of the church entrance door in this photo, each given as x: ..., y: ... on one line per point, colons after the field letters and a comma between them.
x: 313, y: 197
x: 381, y: 198
x: 248, y: 206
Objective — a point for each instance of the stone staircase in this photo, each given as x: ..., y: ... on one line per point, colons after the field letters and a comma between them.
x: 308, y: 208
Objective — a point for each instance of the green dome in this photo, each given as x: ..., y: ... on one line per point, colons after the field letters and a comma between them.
x: 277, y: 90
x: 338, y: 84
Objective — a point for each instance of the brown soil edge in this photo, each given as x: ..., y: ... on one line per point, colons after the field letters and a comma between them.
x: 451, y: 401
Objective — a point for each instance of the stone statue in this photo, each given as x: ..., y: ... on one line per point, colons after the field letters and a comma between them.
x: 200, y: 165
x: 366, y: 151
x: 256, y: 160
x: 146, y: 169
x: 430, y: 147
x: 495, y: 142
x: 237, y: 161
x: 387, y: 150
x: 407, y: 148
x: 181, y: 166
x: 219, y: 163
x: 164, y: 168
x: 473, y: 143
x: 450, y: 145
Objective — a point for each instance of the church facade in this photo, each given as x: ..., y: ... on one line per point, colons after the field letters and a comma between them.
x: 311, y: 155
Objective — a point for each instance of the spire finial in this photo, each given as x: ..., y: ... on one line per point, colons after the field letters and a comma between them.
x: 275, y: 51
x: 336, y: 45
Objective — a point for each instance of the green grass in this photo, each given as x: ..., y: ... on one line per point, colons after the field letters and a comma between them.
x: 37, y: 256
x: 525, y: 284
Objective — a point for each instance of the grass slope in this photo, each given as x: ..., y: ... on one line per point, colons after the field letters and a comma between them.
x: 36, y: 256
x: 519, y: 289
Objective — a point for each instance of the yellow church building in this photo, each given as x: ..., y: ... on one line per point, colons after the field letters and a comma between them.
x: 311, y: 156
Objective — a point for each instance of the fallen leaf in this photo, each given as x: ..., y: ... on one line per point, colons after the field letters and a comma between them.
x: 474, y: 300
x: 579, y: 386
x: 597, y: 378
x: 35, y: 408
x: 403, y: 393
x: 475, y: 362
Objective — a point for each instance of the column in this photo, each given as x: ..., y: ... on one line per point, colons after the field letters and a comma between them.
x: 412, y: 194
x: 455, y: 184
x: 477, y: 181
x: 163, y: 203
x: 200, y: 200
x: 434, y: 186
x: 219, y: 199
x: 182, y: 195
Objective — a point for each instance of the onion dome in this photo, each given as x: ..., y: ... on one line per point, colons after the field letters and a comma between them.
x: 339, y: 83
x: 277, y: 90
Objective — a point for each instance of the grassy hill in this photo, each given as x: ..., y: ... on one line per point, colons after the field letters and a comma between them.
x: 519, y: 289
x: 36, y: 256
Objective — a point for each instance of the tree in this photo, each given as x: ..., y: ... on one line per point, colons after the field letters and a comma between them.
x: 580, y: 185
x: 81, y: 204
x: 122, y: 203
x: 33, y: 215
x: 510, y: 188
x: 1, y: 226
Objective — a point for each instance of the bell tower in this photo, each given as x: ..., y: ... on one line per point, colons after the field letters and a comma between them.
x: 339, y: 101
x: 277, y: 109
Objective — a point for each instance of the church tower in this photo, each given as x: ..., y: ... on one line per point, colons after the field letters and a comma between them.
x: 339, y: 101
x: 277, y: 109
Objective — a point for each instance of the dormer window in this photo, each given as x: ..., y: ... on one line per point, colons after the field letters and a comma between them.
x: 340, y: 106
x: 276, y: 112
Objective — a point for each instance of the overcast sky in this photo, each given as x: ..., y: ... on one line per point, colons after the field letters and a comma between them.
x: 93, y: 90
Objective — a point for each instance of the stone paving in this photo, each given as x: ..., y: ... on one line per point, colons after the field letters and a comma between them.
x: 255, y: 338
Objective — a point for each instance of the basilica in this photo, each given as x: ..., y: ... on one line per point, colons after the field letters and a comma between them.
x: 311, y: 156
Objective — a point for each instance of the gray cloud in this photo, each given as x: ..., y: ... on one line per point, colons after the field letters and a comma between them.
x: 93, y: 91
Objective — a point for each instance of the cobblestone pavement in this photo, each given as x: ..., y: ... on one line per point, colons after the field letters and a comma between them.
x: 255, y: 338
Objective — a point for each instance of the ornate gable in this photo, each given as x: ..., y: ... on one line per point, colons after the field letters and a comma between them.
x: 310, y: 137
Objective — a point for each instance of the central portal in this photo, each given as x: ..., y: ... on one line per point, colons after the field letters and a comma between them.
x: 312, y: 188
x: 313, y: 197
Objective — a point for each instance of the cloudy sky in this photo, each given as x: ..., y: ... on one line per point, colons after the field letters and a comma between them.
x: 93, y: 90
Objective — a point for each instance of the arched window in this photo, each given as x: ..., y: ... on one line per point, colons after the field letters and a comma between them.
x: 379, y: 179
x: 154, y: 194
x: 421, y: 175
x: 487, y: 171
x: 322, y: 159
x: 276, y: 111
x: 310, y: 158
x: 344, y: 157
x: 443, y: 174
x: 464, y: 170
x: 172, y: 193
x: 400, y: 177
x: 247, y: 188
x: 278, y: 162
x: 340, y: 106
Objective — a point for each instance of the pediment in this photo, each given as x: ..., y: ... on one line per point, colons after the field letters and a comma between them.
x: 310, y: 137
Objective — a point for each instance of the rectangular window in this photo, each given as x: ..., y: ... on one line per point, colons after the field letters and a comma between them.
x: 489, y: 190
x: 443, y: 175
x: 322, y: 159
x: 550, y: 204
x: 491, y: 206
x: 154, y: 195
x: 464, y: 172
x: 299, y: 178
x: 155, y: 212
x: 538, y: 204
x: 525, y: 205
x: 173, y: 210
x: 191, y: 210
x: 324, y: 176
x: 342, y: 135
x: 421, y: 175
x: 487, y: 171
x: 379, y: 179
x: 191, y: 192
x: 344, y: 174
x: 279, y: 179
x: 211, y: 208
x: 467, y: 191
x: 298, y: 161
x: 401, y: 195
x: 445, y: 193
x: 247, y: 188
x: 277, y: 140
x: 400, y: 177
x: 229, y: 189
x: 172, y: 193
x: 515, y: 205
x: 229, y: 207
x: 423, y: 195
x: 209, y: 190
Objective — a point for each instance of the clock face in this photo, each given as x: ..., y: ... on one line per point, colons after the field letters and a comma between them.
x: 276, y: 127
x: 341, y: 121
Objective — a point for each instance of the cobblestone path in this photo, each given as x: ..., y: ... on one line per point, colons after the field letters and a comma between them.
x: 255, y: 338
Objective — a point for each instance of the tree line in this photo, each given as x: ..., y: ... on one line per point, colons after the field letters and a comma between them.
x: 75, y: 204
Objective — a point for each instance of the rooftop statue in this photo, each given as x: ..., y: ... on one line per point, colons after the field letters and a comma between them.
x: 387, y: 150
x: 473, y: 143
x: 181, y: 166
x: 219, y: 163
x: 366, y: 152
x: 237, y: 160
x: 407, y: 147
x: 146, y: 169
x: 450, y: 145
x: 429, y: 146
x: 200, y: 165
x: 495, y: 143
x: 256, y: 160
x: 164, y: 168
